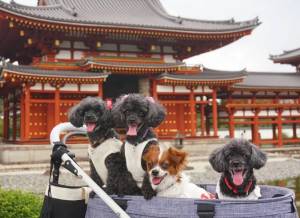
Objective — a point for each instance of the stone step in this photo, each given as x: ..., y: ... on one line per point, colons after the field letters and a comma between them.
x: 33, y: 167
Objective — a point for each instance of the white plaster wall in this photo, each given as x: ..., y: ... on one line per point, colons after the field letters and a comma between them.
x: 37, y: 86
x: 48, y: 87
x: 207, y: 89
x: 163, y: 88
x: 69, y: 87
x: 169, y: 59
x: 78, y: 55
x: 80, y: 45
x: 65, y: 44
x: 89, y: 87
x: 63, y: 54
x: 181, y: 89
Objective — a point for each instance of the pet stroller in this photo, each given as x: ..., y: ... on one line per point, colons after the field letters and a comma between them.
x: 275, y: 202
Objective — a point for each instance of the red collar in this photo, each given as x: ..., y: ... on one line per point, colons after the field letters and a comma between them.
x: 234, y: 188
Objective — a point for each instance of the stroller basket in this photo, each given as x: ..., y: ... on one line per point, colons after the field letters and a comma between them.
x: 276, y: 202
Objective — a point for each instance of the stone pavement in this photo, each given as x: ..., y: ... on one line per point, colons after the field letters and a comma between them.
x: 34, y: 177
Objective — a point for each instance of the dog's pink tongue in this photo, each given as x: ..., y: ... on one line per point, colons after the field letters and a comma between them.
x: 90, y: 126
x: 132, y: 130
x: 156, y: 180
x: 238, y: 178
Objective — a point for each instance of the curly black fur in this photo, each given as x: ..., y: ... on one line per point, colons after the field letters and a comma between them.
x: 141, y: 111
x: 239, y: 154
x: 119, y: 179
x: 92, y: 109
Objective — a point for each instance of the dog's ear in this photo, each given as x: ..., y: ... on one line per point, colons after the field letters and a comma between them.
x: 217, y: 160
x: 75, y: 115
x: 258, y: 158
x: 117, y: 113
x: 178, y: 157
x: 156, y: 113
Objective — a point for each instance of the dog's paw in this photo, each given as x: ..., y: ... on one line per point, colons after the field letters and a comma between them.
x: 149, y: 194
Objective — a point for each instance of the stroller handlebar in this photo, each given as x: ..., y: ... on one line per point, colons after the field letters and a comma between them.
x: 63, y: 127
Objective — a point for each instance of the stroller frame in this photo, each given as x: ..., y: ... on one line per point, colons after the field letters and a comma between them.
x: 62, y: 155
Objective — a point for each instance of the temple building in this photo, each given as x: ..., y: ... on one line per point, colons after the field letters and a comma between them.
x: 291, y: 57
x: 69, y: 49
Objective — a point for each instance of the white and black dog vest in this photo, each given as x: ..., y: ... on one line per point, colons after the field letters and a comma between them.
x: 101, y: 152
x: 134, y: 155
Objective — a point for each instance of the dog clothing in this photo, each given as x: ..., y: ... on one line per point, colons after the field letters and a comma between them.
x: 101, y: 152
x: 254, y: 195
x: 134, y: 155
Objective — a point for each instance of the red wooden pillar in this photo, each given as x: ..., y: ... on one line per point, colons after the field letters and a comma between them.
x: 14, y: 116
x: 22, y: 114
x: 274, y: 130
x: 56, y: 106
x: 202, y: 120
x: 100, y: 89
x: 256, y: 139
x: 27, y: 112
x: 6, y: 117
x: 231, y: 122
x: 193, y: 112
x: 294, y: 129
x: 215, y: 112
x: 279, y: 125
x: 154, y: 89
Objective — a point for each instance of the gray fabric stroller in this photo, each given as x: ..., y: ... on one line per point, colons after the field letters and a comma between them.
x: 275, y: 202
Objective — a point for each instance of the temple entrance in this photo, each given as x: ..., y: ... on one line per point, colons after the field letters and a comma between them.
x: 117, y: 85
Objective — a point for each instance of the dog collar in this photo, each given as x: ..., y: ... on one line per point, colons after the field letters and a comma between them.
x: 235, y: 189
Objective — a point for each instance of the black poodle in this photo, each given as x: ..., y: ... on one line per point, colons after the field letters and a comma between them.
x: 138, y: 115
x: 107, y: 164
x: 236, y: 161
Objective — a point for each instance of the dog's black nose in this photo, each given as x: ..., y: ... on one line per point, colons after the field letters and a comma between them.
x: 235, y: 163
x: 154, y: 172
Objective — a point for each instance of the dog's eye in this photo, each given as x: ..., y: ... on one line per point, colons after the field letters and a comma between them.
x: 126, y: 113
x: 149, y: 165
x: 164, y: 165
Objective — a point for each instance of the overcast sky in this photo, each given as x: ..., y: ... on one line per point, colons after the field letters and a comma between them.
x: 280, y: 30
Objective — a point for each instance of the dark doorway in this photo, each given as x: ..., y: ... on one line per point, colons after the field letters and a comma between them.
x: 116, y: 85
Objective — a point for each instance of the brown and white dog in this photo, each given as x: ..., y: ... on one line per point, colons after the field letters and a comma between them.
x: 165, y: 177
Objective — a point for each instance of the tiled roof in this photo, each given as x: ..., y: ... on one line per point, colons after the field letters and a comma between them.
x: 144, y: 14
x: 33, y: 71
x: 286, y: 56
x: 265, y: 80
x: 134, y: 65
x: 206, y: 74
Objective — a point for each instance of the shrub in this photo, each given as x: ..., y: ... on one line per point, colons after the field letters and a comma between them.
x: 18, y: 204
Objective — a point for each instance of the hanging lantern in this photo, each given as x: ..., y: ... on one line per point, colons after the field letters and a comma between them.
x: 22, y: 33
x: 29, y: 41
x: 57, y: 42
x: 153, y: 47
x: 98, y: 44
x: 11, y: 24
